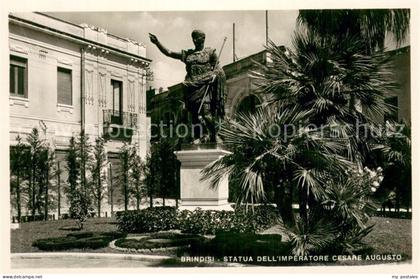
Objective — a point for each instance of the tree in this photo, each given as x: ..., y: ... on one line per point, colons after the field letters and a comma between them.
x: 36, y: 147
x: 125, y: 156
x: 306, y: 135
x: 279, y: 159
x: 137, y: 176
x: 78, y: 160
x: 73, y: 168
x: 80, y: 208
x: 84, y: 156
x: 166, y: 168
x: 58, y: 175
x: 151, y: 177
x: 395, y: 155
x: 324, y: 77
x: 46, y: 166
x: 97, y: 169
x: 369, y: 26
x: 18, y: 170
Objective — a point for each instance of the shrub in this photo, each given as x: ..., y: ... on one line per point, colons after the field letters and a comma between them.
x: 241, y: 220
x: 152, y: 219
x: 114, y: 235
x: 199, y: 221
x: 151, y: 241
x: 80, y: 207
x: 205, y: 221
x: 241, y: 244
x: 85, y: 240
x: 80, y: 235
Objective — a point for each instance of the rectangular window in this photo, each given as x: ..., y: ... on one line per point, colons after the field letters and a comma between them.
x: 116, y: 101
x: 64, y: 86
x: 18, y: 76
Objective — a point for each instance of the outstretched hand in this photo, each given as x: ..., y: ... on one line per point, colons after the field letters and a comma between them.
x: 153, y: 38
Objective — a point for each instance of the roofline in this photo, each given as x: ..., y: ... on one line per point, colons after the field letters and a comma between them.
x: 87, y: 41
x: 246, y: 57
x: 59, y: 19
x: 77, y: 25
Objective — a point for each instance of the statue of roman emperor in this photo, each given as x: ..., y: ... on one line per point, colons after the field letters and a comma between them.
x: 203, y: 86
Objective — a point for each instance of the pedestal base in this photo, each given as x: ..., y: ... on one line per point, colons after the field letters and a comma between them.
x: 196, y: 193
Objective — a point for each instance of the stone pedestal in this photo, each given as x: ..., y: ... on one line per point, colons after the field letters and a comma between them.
x: 196, y: 193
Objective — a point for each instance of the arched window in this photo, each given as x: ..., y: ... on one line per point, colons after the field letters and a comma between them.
x: 248, y: 105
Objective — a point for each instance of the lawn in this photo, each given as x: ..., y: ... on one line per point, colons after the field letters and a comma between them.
x: 389, y: 236
x: 22, y: 238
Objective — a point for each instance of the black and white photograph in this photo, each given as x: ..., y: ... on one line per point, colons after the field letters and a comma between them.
x: 228, y: 139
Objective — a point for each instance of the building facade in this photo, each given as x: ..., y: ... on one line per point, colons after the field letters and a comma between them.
x: 66, y: 77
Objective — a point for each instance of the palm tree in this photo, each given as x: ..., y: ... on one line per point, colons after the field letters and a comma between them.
x: 395, y: 148
x: 369, y: 26
x: 323, y: 77
x: 273, y: 150
x: 311, y: 92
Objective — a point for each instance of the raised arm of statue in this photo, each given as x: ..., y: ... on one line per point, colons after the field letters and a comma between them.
x: 164, y: 50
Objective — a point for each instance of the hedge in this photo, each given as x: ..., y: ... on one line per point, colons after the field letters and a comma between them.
x: 241, y: 220
x: 199, y: 221
x: 147, y: 242
x: 241, y: 244
x: 85, y: 240
x: 152, y: 219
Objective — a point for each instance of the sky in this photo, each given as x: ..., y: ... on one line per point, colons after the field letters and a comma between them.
x: 173, y: 30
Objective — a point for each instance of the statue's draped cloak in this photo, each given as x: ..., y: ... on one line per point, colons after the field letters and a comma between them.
x: 201, y: 66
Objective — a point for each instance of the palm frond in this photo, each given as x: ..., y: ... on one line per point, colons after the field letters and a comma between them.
x: 307, y: 238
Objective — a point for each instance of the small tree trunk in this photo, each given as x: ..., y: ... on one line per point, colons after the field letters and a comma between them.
x: 126, y: 191
x: 99, y: 204
x: 32, y: 187
x: 47, y: 182
x: 58, y: 190
x: 99, y: 208
x: 18, y: 205
x: 284, y: 200
x: 99, y: 195
x: 111, y: 189
x: 303, y: 202
x: 138, y: 197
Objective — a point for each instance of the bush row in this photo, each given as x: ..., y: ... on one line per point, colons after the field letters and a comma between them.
x: 147, y: 242
x: 84, y: 240
x: 152, y: 219
x: 242, y: 244
x: 199, y: 221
